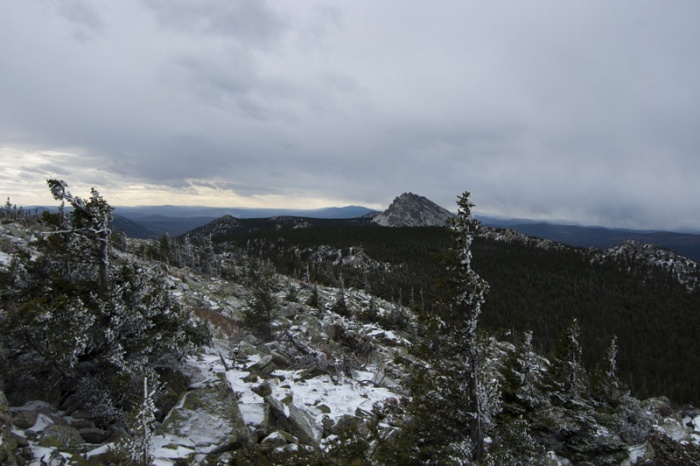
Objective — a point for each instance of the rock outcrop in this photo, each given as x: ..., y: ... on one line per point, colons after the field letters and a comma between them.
x: 412, y: 210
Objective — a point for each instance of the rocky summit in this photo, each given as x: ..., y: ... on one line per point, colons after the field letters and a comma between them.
x: 412, y: 210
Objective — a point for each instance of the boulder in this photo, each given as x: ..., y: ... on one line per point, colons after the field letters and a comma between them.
x: 71, y: 404
x: 81, y: 423
x: 176, y: 383
x: 25, y: 419
x: 294, y: 420
x: 93, y: 434
x: 277, y: 439
x: 263, y: 390
x: 345, y: 424
x: 208, y: 419
x: 265, y: 366
x: 280, y: 360
x: 58, y: 436
x: 245, y: 349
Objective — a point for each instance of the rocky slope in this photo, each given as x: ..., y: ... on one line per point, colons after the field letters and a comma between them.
x: 322, y: 375
x: 412, y: 210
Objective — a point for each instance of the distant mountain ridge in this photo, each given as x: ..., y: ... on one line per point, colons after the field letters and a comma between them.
x: 140, y: 212
x: 155, y: 221
x: 406, y: 210
x: 685, y: 244
x: 412, y: 210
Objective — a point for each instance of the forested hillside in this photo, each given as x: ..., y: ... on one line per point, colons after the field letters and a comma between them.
x: 655, y: 318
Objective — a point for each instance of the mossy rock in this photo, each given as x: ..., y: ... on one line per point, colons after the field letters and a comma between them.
x: 263, y: 390
x: 5, y: 416
x: 4, y: 405
x: 8, y: 446
x: 346, y: 424
x: 25, y: 419
x: 57, y: 436
x: 324, y: 408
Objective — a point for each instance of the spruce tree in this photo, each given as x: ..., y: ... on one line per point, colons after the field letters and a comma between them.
x: 263, y: 304
x: 314, y: 299
x: 462, y: 332
x: 606, y: 386
x: 567, y: 378
x: 454, y: 404
x: 520, y: 376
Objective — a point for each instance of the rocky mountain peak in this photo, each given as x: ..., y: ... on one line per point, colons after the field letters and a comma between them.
x: 412, y: 210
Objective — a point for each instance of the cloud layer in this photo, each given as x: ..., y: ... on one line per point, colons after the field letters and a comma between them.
x: 586, y: 111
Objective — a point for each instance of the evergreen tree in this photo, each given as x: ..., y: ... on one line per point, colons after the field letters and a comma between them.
x: 263, y: 304
x: 454, y: 405
x: 521, y: 378
x: 513, y: 445
x: 467, y: 305
x: 606, y: 386
x: 567, y: 378
x: 90, y: 219
x: 187, y: 253
x: 314, y: 299
x: 370, y: 313
x: 292, y: 295
x: 340, y: 306
x: 56, y: 330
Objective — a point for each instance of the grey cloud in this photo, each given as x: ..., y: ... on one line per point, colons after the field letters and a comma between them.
x: 252, y: 22
x: 582, y: 110
x: 86, y: 20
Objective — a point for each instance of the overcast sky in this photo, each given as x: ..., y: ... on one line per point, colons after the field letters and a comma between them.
x: 587, y: 111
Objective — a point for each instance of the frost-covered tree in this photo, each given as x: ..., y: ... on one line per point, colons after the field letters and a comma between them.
x: 187, y: 253
x: 454, y: 401
x: 567, y: 378
x: 617, y: 409
x: 90, y: 219
x: 520, y: 375
x: 64, y: 325
x: 467, y: 305
x: 606, y: 386
x: 513, y: 445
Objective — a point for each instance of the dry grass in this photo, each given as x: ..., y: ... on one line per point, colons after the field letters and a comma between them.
x: 227, y: 325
